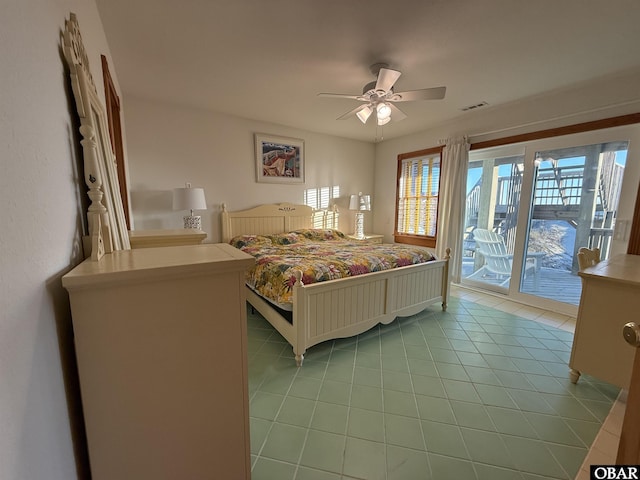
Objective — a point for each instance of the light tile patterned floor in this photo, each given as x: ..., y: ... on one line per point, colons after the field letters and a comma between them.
x: 605, y: 447
x: 478, y: 392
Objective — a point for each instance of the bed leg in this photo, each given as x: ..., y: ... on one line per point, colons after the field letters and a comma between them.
x: 299, y: 359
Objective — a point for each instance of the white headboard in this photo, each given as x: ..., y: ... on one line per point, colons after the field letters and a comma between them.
x: 275, y: 218
x: 105, y: 215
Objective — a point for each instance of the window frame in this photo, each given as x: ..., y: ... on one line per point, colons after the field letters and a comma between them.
x: 416, y: 239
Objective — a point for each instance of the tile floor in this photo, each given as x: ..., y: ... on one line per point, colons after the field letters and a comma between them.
x: 478, y: 392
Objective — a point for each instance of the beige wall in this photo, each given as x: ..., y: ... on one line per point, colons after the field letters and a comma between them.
x: 170, y: 145
x: 41, y: 213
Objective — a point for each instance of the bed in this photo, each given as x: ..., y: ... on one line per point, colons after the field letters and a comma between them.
x: 337, y: 308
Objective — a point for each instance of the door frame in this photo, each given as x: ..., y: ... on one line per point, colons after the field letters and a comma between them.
x: 112, y: 104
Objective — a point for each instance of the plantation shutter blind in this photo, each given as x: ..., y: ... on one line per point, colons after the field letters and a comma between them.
x: 418, y: 195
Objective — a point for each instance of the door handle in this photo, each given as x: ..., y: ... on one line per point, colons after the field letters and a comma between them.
x: 631, y: 333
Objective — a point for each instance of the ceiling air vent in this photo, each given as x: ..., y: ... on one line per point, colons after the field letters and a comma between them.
x: 473, y: 107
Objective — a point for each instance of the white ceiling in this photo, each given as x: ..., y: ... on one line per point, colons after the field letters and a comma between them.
x: 268, y: 59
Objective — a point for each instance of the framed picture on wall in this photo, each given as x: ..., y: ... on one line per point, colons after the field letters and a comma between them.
x: 279, y: 159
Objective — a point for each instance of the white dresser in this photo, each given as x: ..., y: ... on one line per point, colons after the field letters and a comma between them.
x: 610, y: 298
x: 160, y: 337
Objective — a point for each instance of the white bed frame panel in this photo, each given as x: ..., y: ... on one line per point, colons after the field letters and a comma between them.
x: 338, y: 308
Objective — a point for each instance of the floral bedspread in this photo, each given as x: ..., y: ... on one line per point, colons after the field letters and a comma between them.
x: 320, y: 254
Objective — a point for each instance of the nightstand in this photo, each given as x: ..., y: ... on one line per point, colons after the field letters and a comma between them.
x: 368, y: 237
x: 166, y: 238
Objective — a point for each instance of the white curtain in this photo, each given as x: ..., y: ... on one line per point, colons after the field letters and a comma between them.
x: 453, y: 181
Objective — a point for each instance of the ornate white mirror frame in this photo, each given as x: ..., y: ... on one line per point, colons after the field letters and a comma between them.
x: 105, y: 215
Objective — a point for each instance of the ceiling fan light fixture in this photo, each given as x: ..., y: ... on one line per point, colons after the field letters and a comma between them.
x: 364, y: 113
x: 380, y: 98
x: 384, y: 121
x: 383, y: 112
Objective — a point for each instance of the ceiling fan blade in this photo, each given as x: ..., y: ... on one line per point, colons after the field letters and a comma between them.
x: 436, y: 93
x: 352, y: 112
x: 340, y: 95
x: 396, y: 113
x: 386, y: 79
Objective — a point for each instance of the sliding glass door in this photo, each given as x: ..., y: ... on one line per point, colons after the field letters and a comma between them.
x: 530, y: 207
x: 575, y: 204
x: 494, y: 182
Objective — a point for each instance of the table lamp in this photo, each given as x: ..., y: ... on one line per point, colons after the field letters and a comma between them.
x: 191, y: 199
x: 360, y: 203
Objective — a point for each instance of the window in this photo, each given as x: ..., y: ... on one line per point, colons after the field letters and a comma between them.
x: 321, y: 197
x: 417, y: 196
x: 320, y: 200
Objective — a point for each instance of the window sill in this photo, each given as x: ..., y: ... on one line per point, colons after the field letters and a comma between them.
x: 419, y: 240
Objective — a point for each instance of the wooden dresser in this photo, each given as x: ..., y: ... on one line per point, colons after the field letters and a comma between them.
x: 160, y: 337
x: 610, y: 298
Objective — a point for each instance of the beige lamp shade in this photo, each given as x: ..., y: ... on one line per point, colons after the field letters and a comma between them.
x: 360, y: 202
x: 191, y: 199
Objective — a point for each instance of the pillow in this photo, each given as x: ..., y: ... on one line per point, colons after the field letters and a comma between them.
x: 321, y: 234
x: 286, y: 238
x: 250, y: 240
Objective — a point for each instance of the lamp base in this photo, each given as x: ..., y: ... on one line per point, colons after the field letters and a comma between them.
x: 192, y: 221
x: 359, y: 226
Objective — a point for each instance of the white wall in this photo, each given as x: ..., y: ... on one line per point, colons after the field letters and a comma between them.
x: 40, y: 235
x: 607, y: 97
x: 170, y: 145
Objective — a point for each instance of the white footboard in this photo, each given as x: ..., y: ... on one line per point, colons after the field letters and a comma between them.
x: 350, y: 306
x: 347, y: 307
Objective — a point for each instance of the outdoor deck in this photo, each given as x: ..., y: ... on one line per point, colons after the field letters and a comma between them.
x: 553, y: 284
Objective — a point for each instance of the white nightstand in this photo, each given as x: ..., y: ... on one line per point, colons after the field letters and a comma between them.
x: 368, y: 237
x: 166, y: 238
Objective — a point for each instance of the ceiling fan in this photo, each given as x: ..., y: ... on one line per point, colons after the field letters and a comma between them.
x: 378, y: 96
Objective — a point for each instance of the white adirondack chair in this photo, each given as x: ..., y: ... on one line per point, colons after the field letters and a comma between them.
x: 497, y: 260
